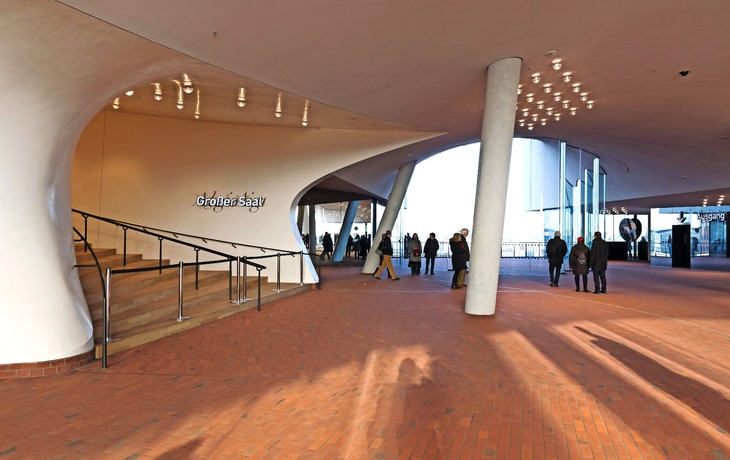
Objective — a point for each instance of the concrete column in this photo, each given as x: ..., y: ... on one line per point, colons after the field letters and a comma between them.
x: 395, y: 200
x: 300, y: 218
x: 374, y: 213
x: 312, y: 229
x: 491, y: 198
x: 345, y: 230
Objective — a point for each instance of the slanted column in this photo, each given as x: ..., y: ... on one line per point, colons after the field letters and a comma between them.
x: 312, y: 229
x: 491, y: 197
x: 347, y: 221
x: 391, y: 212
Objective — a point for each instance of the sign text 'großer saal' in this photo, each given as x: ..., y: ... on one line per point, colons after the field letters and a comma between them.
x: 230, y: 200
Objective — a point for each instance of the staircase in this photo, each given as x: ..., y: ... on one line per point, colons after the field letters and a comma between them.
x: 142, y: 304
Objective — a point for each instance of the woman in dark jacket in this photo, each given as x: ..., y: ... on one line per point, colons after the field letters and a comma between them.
x: 430, y: 249
x: 578, y: 260
x: 457, y: 258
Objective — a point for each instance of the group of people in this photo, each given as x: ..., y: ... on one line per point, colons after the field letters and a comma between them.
x: 416, y: 252
x: 358, y: 246
x: 581, y: 260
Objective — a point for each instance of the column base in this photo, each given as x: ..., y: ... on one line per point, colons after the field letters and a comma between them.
x: 45, y: 368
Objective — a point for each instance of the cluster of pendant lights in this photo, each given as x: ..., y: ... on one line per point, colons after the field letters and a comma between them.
x: 187, y: 87
x: 720, y: 199
x: 556, y: 87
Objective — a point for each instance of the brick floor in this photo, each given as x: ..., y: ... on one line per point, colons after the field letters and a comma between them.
x: 395, y: 370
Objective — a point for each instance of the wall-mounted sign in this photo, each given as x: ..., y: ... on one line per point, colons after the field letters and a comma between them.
x: 709, y: 217
x: 231, y: 200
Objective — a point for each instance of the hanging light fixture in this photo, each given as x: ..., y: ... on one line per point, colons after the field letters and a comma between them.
x: 557, y: 97
x: 573, y: 110
x: 566, y: 104
x: 130, y: 92
x: 158, y: 92
x: 305, y: 118
x: 197, y: 105
x: 535, y: 117
x: 115, y: 104
x: 530, y: 126
x: 557, y: 117
x: 589, y: 104
x: 549, y: 111
x: 530, y: 97
x: 557, y: 64
x: 567, y: 76
x: 535, y: 77
x: 540, y: 104
x: 519, y: 89
x: 543, y: 121
x: 277, y: 112
x: 241, y: 97
x: 547, y: 87
x: 187, y: 84
x: 522, y: 122
x: 576, y: 87
x: 180, y: 101
x: 583, y: 97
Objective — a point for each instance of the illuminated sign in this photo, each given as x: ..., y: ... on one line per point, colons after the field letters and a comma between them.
x: 709, y: 217
x: 231, y: 200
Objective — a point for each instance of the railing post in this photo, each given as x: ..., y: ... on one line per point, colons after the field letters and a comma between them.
x: 259, y: 275
x: 105, y: 320
x: 160, y: 254
x: 86, y: 221
x: 180, y: 318
x: 278, y: 272
x: 238, y: 281
x: 125, y: 246
x: 245, y: 278
x: 230, y: 280
x: 301, y: 268
x: 197, y: 267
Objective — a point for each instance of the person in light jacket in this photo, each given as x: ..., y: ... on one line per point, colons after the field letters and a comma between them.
x: 580, y: 254
x: 414, y: 257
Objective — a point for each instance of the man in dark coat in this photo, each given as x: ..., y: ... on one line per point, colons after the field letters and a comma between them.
x: 556, y: 251
x: 327, y: 246
x: 430, y: 250
x: 578, y: 262
x: 599, y: 262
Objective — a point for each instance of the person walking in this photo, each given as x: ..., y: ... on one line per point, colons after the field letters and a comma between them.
x: 327, y: 246
x: 580, y: 254
x: 461, y: 282
x: 430, y: 250
x: 406, y: 242
x: 386, y: 248
x: 414, y: 257
x: 556, y: 250
x: 457, y: 258
x: 598, y: 263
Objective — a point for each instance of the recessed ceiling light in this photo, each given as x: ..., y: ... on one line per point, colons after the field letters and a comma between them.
x: 556, y: 97
x: 522, y: 122
x: 551, y: 53
x: 540, y: 104
x: 567, y: 76
x: 130, y: 92
x: 557, y: 64
x: 549, y: 111
x: 589, y: 104
x: 530, y: 97
x: 566, y: 104
x: 535, y: 77
x: 583, y: 97
x: 547, y: 87
x: 530, y: 126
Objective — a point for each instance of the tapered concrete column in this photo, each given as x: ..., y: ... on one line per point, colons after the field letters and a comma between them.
x: 491, y: 198
x: 300, y: 218
x: 347, y: 221
x: 312, y: 229
x: 391, y: 212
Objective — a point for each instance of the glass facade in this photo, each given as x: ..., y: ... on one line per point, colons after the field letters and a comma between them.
x: 707, y: 235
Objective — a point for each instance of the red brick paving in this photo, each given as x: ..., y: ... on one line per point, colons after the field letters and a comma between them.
x: 395, y: 370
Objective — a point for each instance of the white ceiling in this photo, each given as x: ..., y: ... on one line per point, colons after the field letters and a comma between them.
x: 407, y: 64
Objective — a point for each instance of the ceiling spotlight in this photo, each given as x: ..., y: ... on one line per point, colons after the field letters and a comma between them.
x: 573, y: 110
x: 557, y: 64
x: 535, y: 77
x: 522, y: 122
x: 130, y: 92
x: 115, y: 104
x: 530, y: 97
x: 556, y: 97
x: 589, y: 104
x: 197, y: 104
x: 197, y: 115
x: 305, y: 118
x: 549, y: 110
x: 241, y: 97
x: 535, y: 117
x: 540, y: 104
x: 179, y: 97
x: 567, y: 76
x: 158, y: 92
x: 576, y: 87
x: 187, y: 85
x: 557, y: 117
x: 519, y: 89
x: 277, y: 112
x: 583, y: 97
x: 525, y: 112
x: 179, y: 104
x: 566, y: 104
x: 543, y: 121
x: 547, y: 87
x: 530, y: 126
